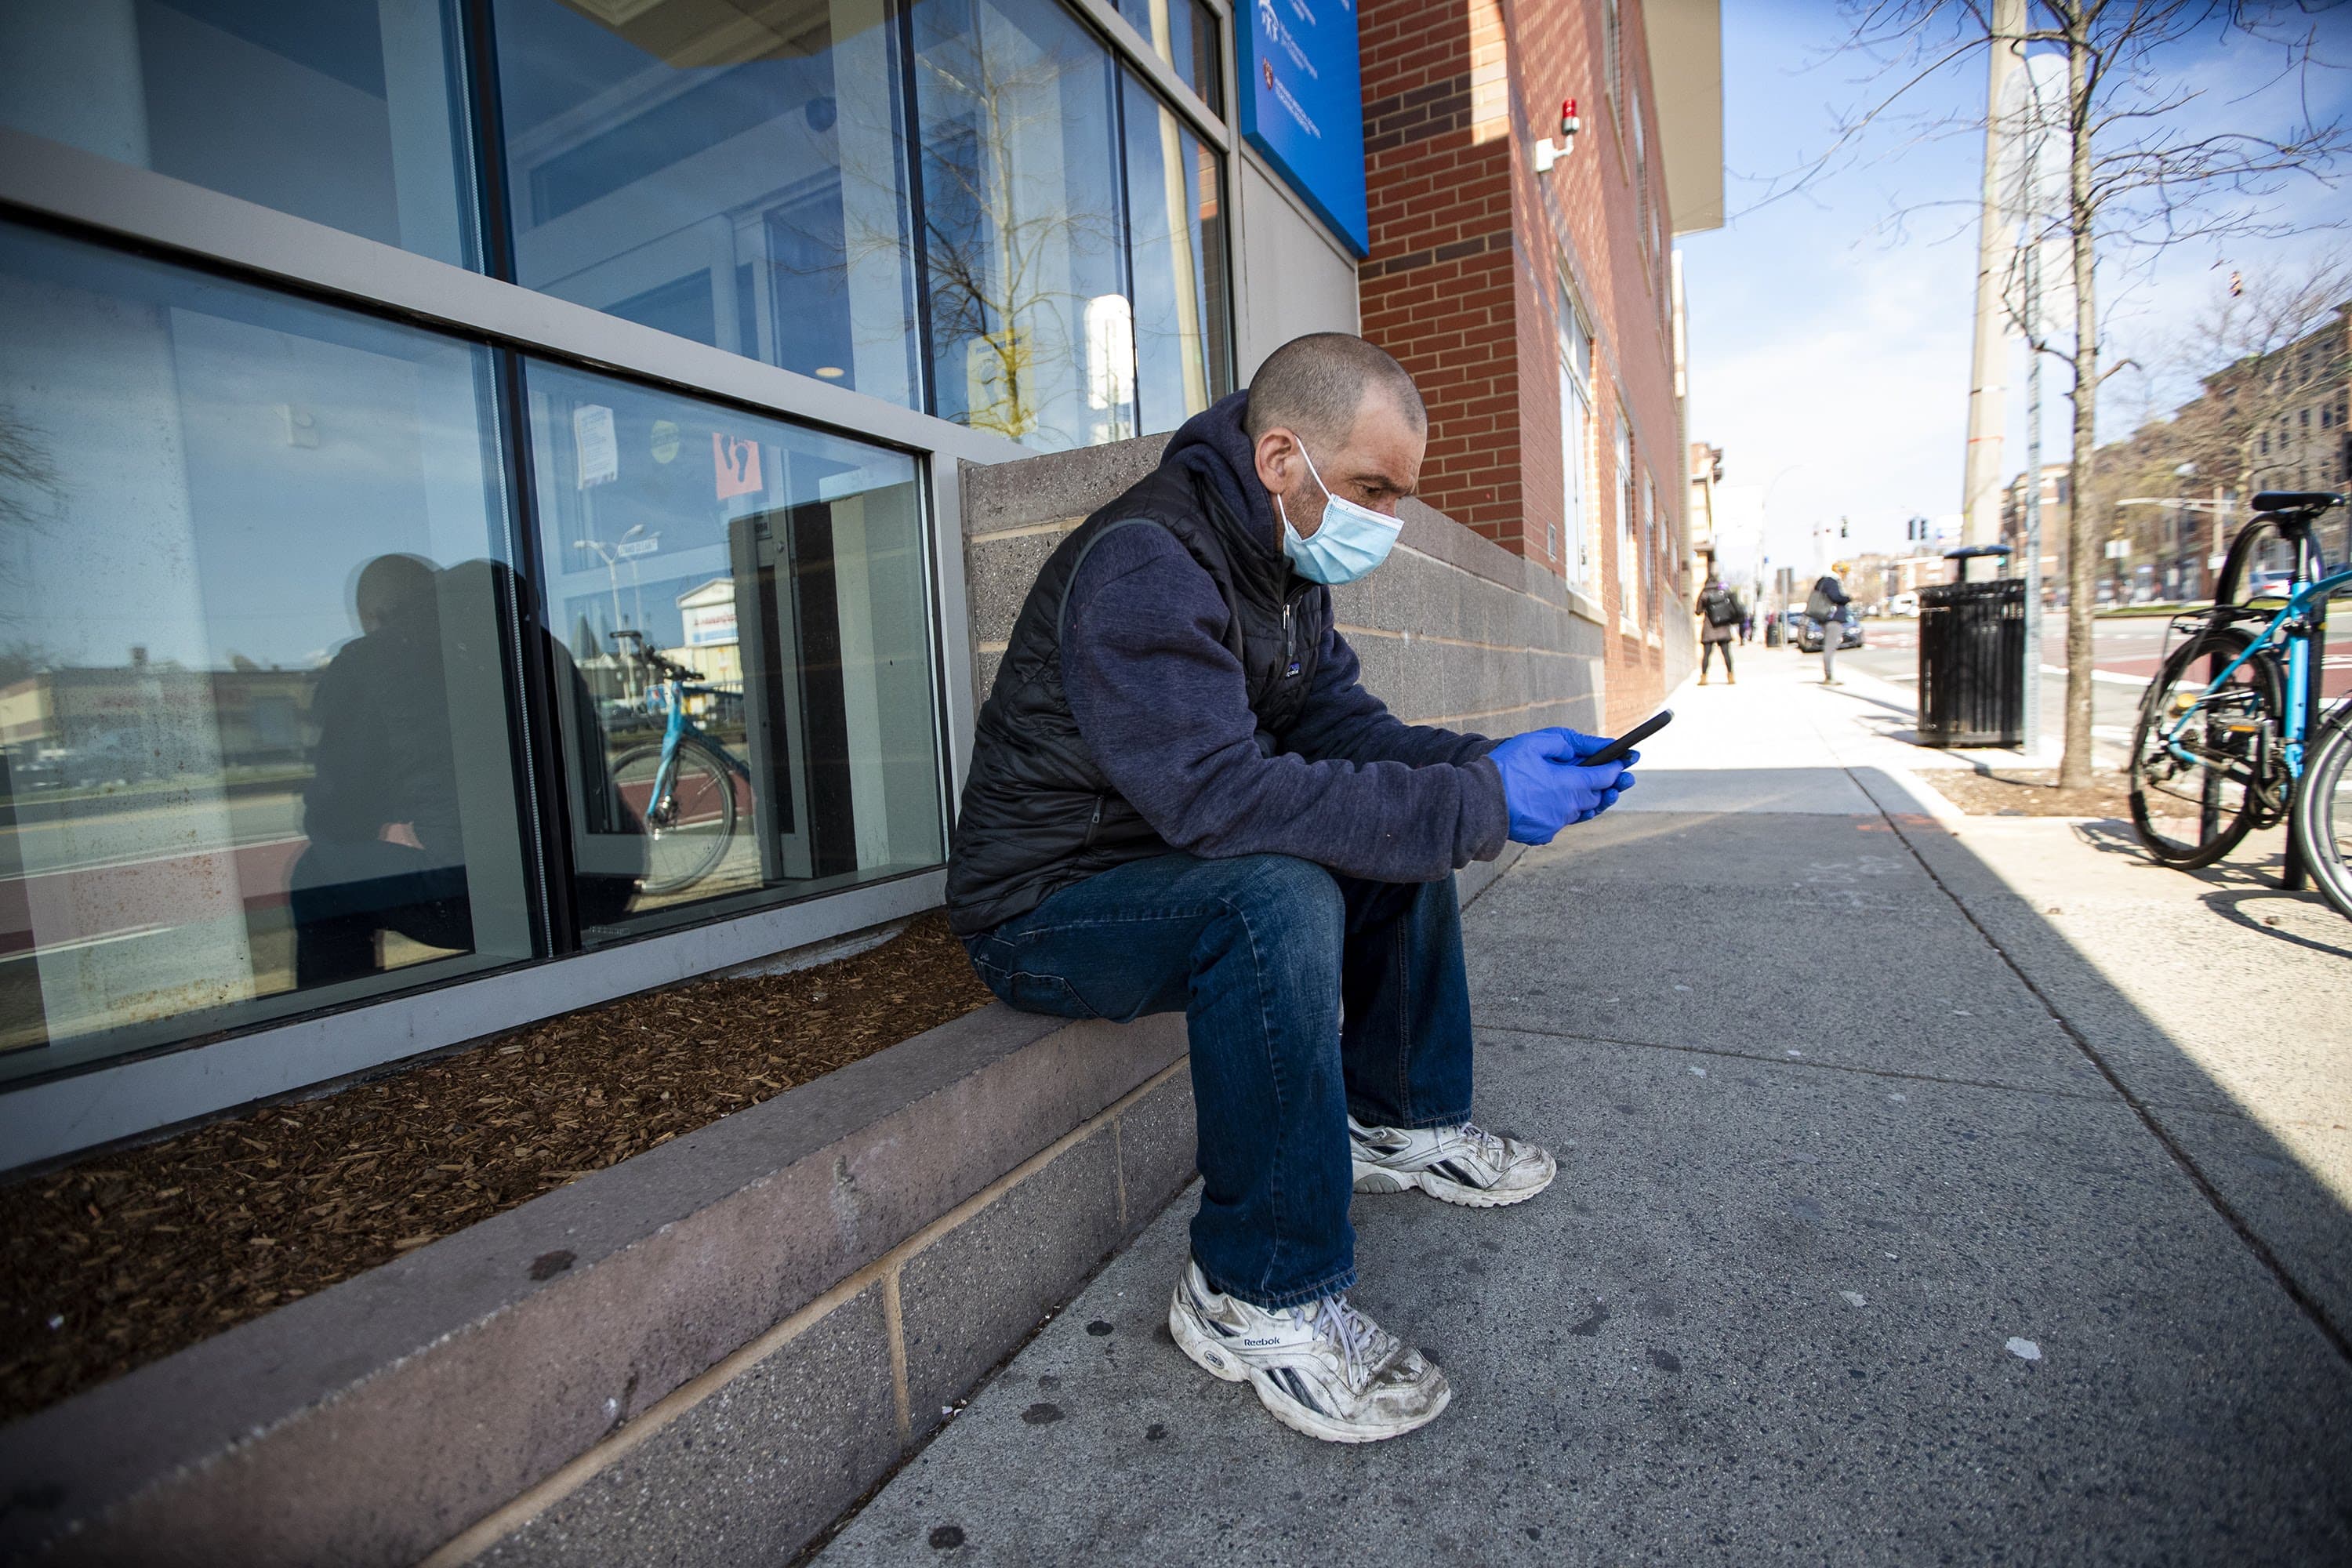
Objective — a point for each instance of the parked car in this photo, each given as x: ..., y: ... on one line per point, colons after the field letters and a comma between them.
x: 1904, y: 605
x: 1810, y: 637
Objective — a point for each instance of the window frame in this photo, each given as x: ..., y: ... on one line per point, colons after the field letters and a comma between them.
x: 1579, y: 470
x: 1629, y: 561
x: 49, y: 185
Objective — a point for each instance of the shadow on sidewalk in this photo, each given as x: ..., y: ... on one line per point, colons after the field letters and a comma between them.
x: 2138, y: 1054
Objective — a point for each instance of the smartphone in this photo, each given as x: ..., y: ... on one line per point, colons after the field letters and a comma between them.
x: 1615, y: 750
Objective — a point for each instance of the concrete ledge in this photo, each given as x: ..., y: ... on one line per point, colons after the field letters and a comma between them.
x: 751, y: 1461
x: 372, y: 1423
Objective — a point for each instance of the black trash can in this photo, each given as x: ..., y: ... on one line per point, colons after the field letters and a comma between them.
x: 1972, y: 659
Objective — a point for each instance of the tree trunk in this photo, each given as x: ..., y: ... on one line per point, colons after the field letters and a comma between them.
x: 2081, y: 564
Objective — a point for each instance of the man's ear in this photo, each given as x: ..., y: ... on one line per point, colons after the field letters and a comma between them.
x: 1275, y: 452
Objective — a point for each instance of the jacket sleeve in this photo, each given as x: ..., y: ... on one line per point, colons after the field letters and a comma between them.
x: 1163, y: 705
x: 1343, y: 721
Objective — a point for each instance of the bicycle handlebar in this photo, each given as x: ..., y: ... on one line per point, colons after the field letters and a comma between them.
x: 653, y: 660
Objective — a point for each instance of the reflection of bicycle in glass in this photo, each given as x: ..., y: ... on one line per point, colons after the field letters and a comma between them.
x: 684, y: 784
x: 2230, y: 737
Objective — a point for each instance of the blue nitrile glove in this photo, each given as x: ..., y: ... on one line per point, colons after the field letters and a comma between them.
x: 1546, y: 790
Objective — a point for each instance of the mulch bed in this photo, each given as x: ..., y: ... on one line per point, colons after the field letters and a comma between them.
x: 122, y: 1259
x: 2032, y: 793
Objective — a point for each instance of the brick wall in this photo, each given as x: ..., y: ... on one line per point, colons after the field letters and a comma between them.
x: 1437, y: 289
x: 1464, y: 286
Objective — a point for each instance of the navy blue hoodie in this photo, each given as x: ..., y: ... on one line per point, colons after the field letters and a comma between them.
x: 1163, y: 706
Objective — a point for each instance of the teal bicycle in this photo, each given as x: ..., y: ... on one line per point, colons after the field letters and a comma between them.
x: 684, y: 784
x: 2231, y: 735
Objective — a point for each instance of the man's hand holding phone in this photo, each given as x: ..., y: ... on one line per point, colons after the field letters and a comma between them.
x: 1548, y: 784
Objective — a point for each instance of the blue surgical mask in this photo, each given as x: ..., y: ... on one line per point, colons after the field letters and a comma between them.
x: 1352, y: 541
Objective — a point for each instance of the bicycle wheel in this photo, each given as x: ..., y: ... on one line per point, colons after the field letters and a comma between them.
x: 2195, y: 797
x: 2322, y: 811
x: 689, y: 830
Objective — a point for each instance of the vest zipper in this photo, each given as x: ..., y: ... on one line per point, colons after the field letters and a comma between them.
x: 1093, y: 823
x: 1290, y: 642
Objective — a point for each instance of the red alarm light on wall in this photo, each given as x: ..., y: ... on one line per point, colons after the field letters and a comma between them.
x: 1547, y: 154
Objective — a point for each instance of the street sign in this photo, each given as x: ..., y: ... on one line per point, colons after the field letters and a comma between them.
x: 1303, y: 106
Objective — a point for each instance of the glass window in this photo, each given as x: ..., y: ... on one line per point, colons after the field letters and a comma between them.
x: 1628, y: 567
x: 1176, y: 219
x: 348, y: 112
x: 1184, y: 34
x: 1032, y: 327
x: 748, y: 606
x: 732, y: 174
x: 256, y: 745
x: 1650, y: 564
x: 1575, y: 426
x: 1574, y: 550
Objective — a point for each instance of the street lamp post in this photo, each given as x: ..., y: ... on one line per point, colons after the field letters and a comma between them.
x: 611, y: 556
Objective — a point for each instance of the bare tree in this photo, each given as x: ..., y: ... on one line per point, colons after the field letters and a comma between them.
x: 29, y: 496
x: 1002, y: 243
x: 2275, y: 356
x: 2140, y: 178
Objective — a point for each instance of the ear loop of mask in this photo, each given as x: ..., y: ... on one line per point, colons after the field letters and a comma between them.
x: 1312, y: 473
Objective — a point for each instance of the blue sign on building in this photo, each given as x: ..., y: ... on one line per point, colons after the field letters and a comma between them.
x: 1303, y: 105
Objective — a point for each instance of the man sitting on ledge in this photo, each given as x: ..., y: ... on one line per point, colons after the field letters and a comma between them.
x: 1181, y: 796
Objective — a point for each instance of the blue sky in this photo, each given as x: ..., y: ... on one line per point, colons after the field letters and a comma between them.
x: 1830, y: 331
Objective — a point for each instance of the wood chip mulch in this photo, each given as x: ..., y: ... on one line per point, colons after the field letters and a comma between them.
x: 2030, y: 793
x: 127, y: 1256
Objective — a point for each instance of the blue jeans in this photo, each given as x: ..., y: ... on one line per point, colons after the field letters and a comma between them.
x: 1263, y: 953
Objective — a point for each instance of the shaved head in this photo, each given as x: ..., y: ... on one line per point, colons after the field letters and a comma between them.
x: 1358, y: 411
x: 1315, y: 385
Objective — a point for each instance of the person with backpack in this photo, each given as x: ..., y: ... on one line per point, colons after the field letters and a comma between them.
x: 1719, y: 615
x: 1826, y: 603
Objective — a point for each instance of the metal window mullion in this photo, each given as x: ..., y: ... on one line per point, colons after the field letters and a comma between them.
x: 1122, y: 179
x: 1134, y: 49
x: 919, y: 238
x: 549, y: 814
x: 485, y: 137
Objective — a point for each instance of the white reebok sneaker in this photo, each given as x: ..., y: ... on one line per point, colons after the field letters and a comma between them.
x: 1464, y: 1164
x: 1324, y: 1369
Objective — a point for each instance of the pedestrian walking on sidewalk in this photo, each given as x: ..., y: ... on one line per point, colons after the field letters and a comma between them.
x: 1719, y: 615
x: 1183, y: 797
x: 1826, y: 603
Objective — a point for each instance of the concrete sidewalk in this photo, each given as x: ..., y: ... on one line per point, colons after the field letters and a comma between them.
x: 1901, y: 1219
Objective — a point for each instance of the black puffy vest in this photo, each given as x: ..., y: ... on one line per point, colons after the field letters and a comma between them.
x: 1038, y: 814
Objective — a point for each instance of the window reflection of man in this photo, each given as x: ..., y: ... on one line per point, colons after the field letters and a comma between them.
x: 381, y: 809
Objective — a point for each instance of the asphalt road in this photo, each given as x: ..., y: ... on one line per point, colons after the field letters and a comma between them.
x: 2128, y: 653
